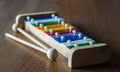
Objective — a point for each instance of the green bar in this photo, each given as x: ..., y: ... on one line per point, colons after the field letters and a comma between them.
x: 47, y: 23
x: 85, y: 44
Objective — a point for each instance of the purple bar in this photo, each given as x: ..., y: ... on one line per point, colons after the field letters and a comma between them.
x: 67, y: 34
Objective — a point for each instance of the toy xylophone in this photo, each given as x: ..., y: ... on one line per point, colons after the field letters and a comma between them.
x: 78, y: 48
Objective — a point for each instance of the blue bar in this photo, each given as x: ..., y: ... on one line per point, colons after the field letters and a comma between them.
x: 69, y: 36
x: 42, y: 18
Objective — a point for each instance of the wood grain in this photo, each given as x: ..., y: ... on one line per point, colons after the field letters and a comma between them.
x: 97, y: 18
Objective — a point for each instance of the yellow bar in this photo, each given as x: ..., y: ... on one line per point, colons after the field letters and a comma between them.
x: 55, y: 28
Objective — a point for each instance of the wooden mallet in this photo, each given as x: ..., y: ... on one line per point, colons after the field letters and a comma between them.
x: 51, y: 52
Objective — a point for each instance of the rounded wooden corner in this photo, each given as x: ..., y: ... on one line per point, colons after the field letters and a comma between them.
x: 71, y: 57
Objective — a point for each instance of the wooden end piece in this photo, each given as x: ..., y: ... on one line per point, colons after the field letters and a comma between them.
x: 20, y: 18
x: 88, y: 56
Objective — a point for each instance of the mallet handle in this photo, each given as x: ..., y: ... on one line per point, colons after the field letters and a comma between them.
x: 25, y: 42
x: 32, y: 38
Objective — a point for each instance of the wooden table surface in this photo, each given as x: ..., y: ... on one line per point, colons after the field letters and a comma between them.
x: 97, y: 18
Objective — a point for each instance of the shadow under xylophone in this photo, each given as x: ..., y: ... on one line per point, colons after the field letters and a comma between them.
x: 79, y: 49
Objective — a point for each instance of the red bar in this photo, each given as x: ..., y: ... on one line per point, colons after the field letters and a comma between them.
x: 62, y: 31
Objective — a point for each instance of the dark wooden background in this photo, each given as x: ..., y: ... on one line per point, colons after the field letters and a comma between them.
x: 100, y: 19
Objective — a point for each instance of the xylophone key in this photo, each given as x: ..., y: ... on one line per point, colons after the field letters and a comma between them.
x: 89, y: 40
x: 50, y: 21
x: 68, y: 36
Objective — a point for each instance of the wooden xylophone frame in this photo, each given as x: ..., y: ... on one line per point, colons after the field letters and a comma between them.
x: 77, y: 57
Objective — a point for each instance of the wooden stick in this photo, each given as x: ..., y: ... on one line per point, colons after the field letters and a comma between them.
x: 16, y: 28
x: 32, y: 38
x: 51, y: 53
x: 25, y: 42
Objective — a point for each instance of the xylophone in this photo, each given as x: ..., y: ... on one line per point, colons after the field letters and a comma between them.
x: 78, y: 48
